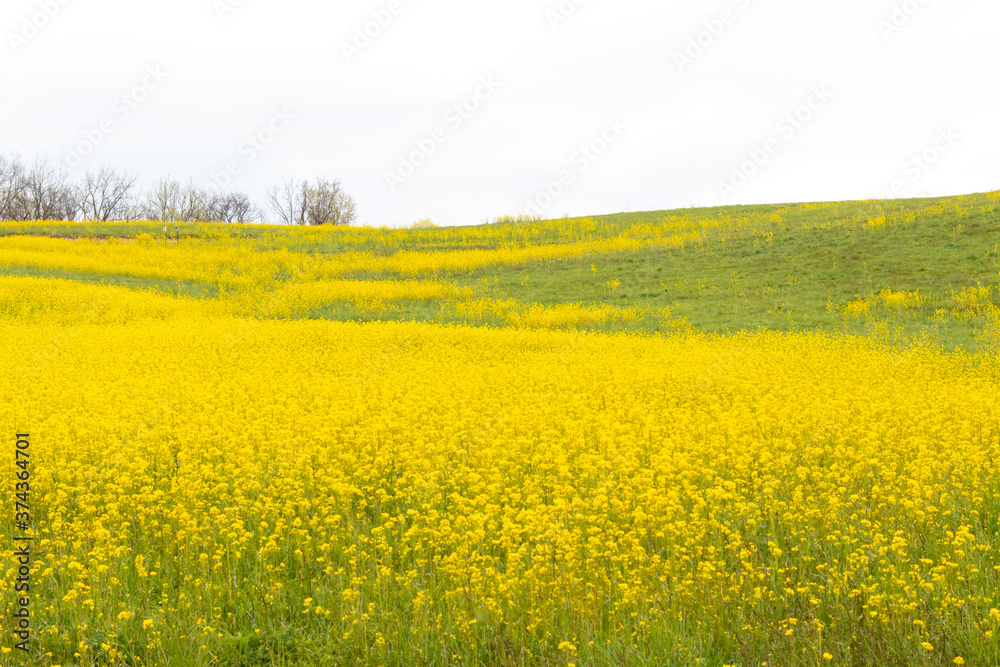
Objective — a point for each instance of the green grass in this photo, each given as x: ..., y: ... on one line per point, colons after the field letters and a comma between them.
x: 786, y: 282
x: 188, y: 288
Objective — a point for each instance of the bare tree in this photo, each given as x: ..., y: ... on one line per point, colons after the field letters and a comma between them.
x: 11, y: 187
x: 327, y: 204
x: 42, y: 192
x: 169, y: 201
x: 46, y: 194
x: 242, y: 209
x: 195, y: 203
x: 163, y: 201
x: 218, y: 207
x: 289, y: 201
x: 232, y: 207
x: 302, y: 203
x: 108, y: 195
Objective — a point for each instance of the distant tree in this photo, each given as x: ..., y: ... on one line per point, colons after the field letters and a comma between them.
x: 11, y: 187
x: 163, y: 201
x: 42, y: 192
x: 108, y: 195
x: 169, y: 201
x: 195, y: 203
x: 327, y: 204
x: 242, y: 208
x: 288, y: 201
x: 46, y: 194
x: 305, y: 203
x: 234, y: 207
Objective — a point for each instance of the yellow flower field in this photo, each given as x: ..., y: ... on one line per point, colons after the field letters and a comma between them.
x: 238, y: 479
x: 210, y: 487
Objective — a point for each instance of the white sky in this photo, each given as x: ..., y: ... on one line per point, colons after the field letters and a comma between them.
x: 932, y: 86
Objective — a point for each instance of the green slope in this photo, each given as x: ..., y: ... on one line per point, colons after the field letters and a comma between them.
x: 778, y: 267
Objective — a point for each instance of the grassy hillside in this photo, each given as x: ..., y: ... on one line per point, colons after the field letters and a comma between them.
x: 799, y: 273
x: 900, y: 269
x: 222, y: 471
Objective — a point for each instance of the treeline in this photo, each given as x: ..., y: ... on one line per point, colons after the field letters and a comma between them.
x: 42, y: 191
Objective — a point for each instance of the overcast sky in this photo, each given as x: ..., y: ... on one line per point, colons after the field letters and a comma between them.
x: 458, y: 110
